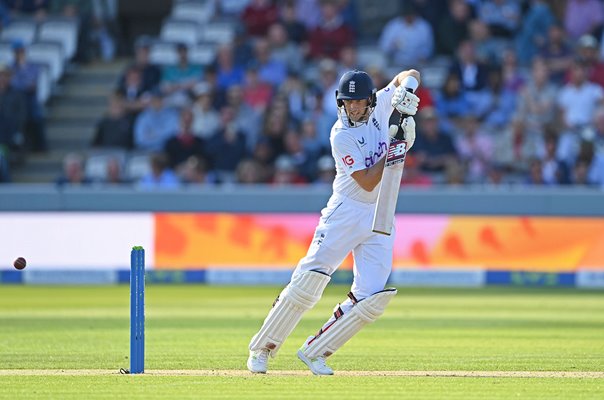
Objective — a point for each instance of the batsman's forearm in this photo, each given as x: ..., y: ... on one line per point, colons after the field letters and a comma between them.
x: 398, y: 79
x: 369, y: 178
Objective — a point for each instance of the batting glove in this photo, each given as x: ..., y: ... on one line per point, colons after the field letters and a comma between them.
x: 405, y: 102
x: 408, y: 126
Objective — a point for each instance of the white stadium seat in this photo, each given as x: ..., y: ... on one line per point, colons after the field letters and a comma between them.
x: 202, y: 54
x: 371, y: 57
x: 194, y: 11
x: 23, y: 30
x: 180, y: 31
x: 7, y: 56
x: 163, y: 53
x: 44, y: 85
x: 219, y: 32
x: 64, y: 31
x: 137, y: 166
x: 49, y: 53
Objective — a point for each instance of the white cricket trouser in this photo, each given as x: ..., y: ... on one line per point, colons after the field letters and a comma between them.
x: 345, y: 226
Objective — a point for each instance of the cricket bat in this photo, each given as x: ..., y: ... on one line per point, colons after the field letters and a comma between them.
x: 391, y: 179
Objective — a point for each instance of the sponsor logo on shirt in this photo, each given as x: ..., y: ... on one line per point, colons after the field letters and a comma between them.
x: 348, y: 160
x: 373, y: 157
x: 362, y: 141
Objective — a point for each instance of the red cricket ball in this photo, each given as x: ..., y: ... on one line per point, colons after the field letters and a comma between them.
x: 20, y: 263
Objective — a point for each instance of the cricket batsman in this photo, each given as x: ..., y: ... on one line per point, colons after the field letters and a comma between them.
x: 359, y: 142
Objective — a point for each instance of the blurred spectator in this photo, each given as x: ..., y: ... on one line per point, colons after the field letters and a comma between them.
x: 256, y: 93
x: 502, y: 101
x: 106, y: 34
x: 25, y: 79
x: 513, y: 77
x: 177, y: 80
x: 413, y: 175
x: 228, y: 73
x: 249, y: 171
x: 299, y: 98
x: 296, y: 31
x: 578, y: 99
x: 431, y: 11
x: 348, y: 59
x: 328, y: 70
x: 184, y: 144
x: 502, y: 16
x: 4, y: 15
x: 407, y: 39
x: 432, y: 147
x: 82, y: 11
x: 264, y: 155
x: 4, y: 165
x: 475, y: 148
x: 515, y: 145
x: 35, y: 8
x: 115, y: 128
x: 455, y: 174
x: 533, y: 31
x: 557, y: 53
x: 312, y: 143
x: 270, y: 70
x: 258, y: 16
x: 150, y: 73
x: 537, y: 101
x: 161, y: 176
x: 332, y: 34
x: 206, y: 120
x: 486, y: 47
x: 582, y: 16
x: 115, y: 172
x: 587, y: 50
x: 194, y: 171
x: 326, y: 170
x: 242, y: 47
x: 246, y: 118
x: 579, y: 176
x: 304, y: 162
x: 13, y: 112
x: 73, y: 171
x: 471, y: 72
x: 535, y: 173
x: 452, y: 102
x: 554, y: 171
x: 309, y: 13
x: 282, y: 49
x: 454, y: 27
x: 131, y: 90
x: 286, y: 172
x: 155, y: 124
x: 226, y: 148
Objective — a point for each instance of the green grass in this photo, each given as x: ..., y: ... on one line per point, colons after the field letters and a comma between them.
x: 208, y: 328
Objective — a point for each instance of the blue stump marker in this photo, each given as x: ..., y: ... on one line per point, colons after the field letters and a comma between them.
x: 137, y: 310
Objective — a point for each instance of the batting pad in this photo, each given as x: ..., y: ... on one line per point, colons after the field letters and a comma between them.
x: 299, y: 296
x: 345, y: 327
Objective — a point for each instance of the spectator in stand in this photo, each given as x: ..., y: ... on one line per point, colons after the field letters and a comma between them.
x: 432, y: 12
x: 249, y: 172
x: 475, y: 148
x: 4, y: 165
x: 296, y: 31
x: 246, y: 118
x: 328, y: 70
x: 487, y: 48
x: 331, y: 34
x: 270, y: 70
x: 297, y: 94
x: 155, y: 124
x: 283, y: 49
x: 73, y: 172
x: 305, y: 162
x: 226, y: 148
x: 161, y: 175
x: 106, y: 33
x: 35, y: 8
x: 177, y: 80
x: 114, y: 129
x: 587, y: 50
x: 532, y: 35
x: 515, y: 145
x: 257, y: 94
x: 25, y: 79
x: 194, y: 171
x: 557, y: 53
x: 407, y: 39
x: 286, y: 172
x: 114, y: 172
x: 502, y: 99
x: 433, y: 148
x: 206, y: 120
x: 471, y: 72
x: 326, y: 167
x: 582, y: 16
x: 502, y: 16
x: 309, y: 13
x: 132, y: 90
x: 312, y: 143
x: 258, y: 16
x: 13, y: 113
x: 184, y: 144
x: 82, y: 11
x: 452, y: 102
x: 413, y: 175
x: 228, y: 73
x: 537, y: 101
x: 579, y: 175
x: 454, y: 27
x: 150, y: 73
x: 553, y: 170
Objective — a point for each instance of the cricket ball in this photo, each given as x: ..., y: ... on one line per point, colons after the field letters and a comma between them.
x: 20, y: 263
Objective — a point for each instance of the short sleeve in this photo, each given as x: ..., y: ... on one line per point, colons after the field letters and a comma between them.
x: 347, y: 154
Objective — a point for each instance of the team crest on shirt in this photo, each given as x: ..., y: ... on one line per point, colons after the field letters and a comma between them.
x: 376, y: 123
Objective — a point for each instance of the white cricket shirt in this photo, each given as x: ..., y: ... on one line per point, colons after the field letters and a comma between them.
x: 361, y: 147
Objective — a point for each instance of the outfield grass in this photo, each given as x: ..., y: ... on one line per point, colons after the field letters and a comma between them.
x: 203, y: 328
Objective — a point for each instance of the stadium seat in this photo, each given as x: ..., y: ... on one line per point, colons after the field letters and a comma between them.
x: 96, y: 163
x: 163, y: 53
x: 202, y: 54
x: 199, y: 12
x: 44, y: 89
x: 180, y: 31
x: 371, y: 57
x: 22, y: 30
x: 233, y: 7
x: 218, y: 32
x: 64, y: 31
x: 7, y: 55
x: 49, y: 53
x: 137, y: 166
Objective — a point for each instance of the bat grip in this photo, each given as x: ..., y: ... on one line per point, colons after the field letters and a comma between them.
x: 400, y: 134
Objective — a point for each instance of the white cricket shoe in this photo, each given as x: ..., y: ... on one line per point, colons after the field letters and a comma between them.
x: 257, y: 362
x: 316, y: 365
